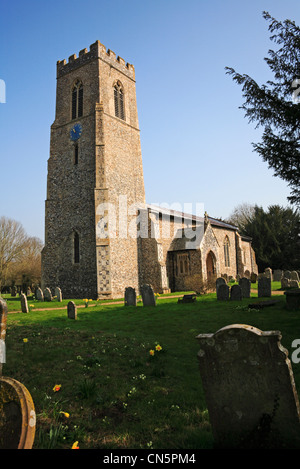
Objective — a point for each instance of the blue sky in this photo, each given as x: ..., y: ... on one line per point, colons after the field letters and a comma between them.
x: 196, y: 143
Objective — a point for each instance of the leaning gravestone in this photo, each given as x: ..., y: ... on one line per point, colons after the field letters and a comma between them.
x: 264, y: 287
x: 220, y: 281
x: 249, y: 388
x: 236, y: 293
x: 245, y: 285
x: 148, y: 296
x: 58, y: 294
x: 24, y: 304
x: 39, y: 294
x: 47, y: 295
x: 294, y: 275
x: 72, y: 310
x: 223, y: 292
x: 130, y: 296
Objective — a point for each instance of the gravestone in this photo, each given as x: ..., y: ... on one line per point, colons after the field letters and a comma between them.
x: 294, y: 275
x: 249, y: 389
x: 264, y: 287
x: 247, y: 274
x: 24, y: 304
x: 29, y: 292
x: 223, y: 292
x: 39, y: 294
x: 287, y: 274
x: 285, y: 282
x: 72, y: 310
x: 268, y: 272
x: 58, y: 294
x: 220, y: 281
x: 130, y: 296
x: 13, y: 291
x: 236, y: 293
x: 253, y: 277
x: 294, y: 284
x: 277, y: 275
x: 47, y: 295
x: 293, y: 299
x: 148, y: 296
x: 245, y: 285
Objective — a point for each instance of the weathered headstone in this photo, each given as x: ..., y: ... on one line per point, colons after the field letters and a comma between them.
x: 236, y: 293
x: 245, y: 285
x: 29, y: 292
x: 148, y: 296
x: 130, y: 296
x: 285, y: 282
x: 39, y: 294
x: 253, y: 277
x: 47, y: 295
x: 249, y: 388
x: 247, y: 274
x: 58, y: 294
x: 13, y: 291
x: 24, y: 304
x: 277, y: 275
x: 220, y: 281
x: 287, y: 274
x: 268, y: 272
x: 294, y: 284
x: 223, y: 292
x: 293, y: 299
x: 294, y: 275
x: 72, y: 310
x: 264, y: 287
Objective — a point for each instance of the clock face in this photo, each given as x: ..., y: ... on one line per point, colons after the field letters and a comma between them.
x: 75, y: 132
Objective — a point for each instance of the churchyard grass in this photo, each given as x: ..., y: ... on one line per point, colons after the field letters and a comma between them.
x: 94, y: 380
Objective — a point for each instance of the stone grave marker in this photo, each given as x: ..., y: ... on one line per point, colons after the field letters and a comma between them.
x: 223, y: 292
x: 47, y: 295
x: 148, y: 296
x: 268, y: 272
x: 24, y: 304
x: 245, y: 285
x: 220, y: 281
x: 236, y: 293
x: 294, y: 284
x: 130, y: 296
x: 58, y: 294
x: 13, y: 291
x: 72, y: 310
x: 293, y: 299
x: 249, y: 389
x: 39, y: 294
x: 294, y: 275
x: 277, y: 275
x: 285, y: 282
x: 264, y: 287
x: 253, y: 277
x: 287, y: 274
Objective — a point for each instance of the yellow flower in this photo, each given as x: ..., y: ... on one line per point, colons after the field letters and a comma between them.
x: 158, y: 348
x: 65, y: 414
x: 152, y: 352
x: 25, y: 340
x: 57, y: 387
x: 75, y: 445
x: 32, y: 306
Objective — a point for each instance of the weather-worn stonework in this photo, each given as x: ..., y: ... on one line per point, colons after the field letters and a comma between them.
x: 100, y: 234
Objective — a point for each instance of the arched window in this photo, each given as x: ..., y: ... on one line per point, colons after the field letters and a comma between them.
x: 76, y: 248
x: 119, y: 101
x: 226, y: 252
x: 76, y: 153
x: 77, y: 100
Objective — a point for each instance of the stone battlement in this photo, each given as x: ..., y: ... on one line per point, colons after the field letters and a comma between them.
x: 97, y: 51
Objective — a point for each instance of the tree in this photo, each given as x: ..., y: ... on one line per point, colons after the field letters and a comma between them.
x: 241, y: 215
x: 12, y: 243
x: 26, y: 271
x: 275, y: 106
x: 275, y: 237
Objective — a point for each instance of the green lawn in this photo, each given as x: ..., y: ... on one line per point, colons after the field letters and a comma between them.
x: 116, y: 394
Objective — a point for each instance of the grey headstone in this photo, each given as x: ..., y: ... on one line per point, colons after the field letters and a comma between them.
x: 130, y: 296
x: 287, y: 274
x: 264, y: 287
x: 39, y: 294
x: 294, y: 275
x: 277, y: 275
x: 72, y: 310
x: 58, y: 294
x: 245, y: 285
x: 253, y: 277
x: 294, y: 284
x: 293, y: 299
x: 285, y: 282
x: 24, y: 304
x: 13, y: 291
x: 148, y: 296
x: 268, y: 272
x: 223, y: 292
x: 249, y: 389
x: 236, y: 293
x: 220, y: 281
x: 47, y: 295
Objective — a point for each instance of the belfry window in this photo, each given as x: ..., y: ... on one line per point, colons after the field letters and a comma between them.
x: 76, y: 153
x: 77, y: 100
x: 226, y: 252
x: 76, y: 248
x: 119, y: 101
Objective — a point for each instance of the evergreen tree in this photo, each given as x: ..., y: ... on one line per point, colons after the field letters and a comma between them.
x: 275, y: 106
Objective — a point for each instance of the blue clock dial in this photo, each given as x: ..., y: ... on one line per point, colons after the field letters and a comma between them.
x: 75, y: 132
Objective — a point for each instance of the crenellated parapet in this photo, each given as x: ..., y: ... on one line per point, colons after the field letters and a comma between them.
x: 97, y: 51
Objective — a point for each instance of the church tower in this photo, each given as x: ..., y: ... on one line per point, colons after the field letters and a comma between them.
x: 95, y: 163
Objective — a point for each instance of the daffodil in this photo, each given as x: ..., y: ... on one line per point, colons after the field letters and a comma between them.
x: 152, y: 352
x: 57, y: 387
x: 158, y: 348
x: 75, y: 445
x: 65, y: 414
x: 25, y: 340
